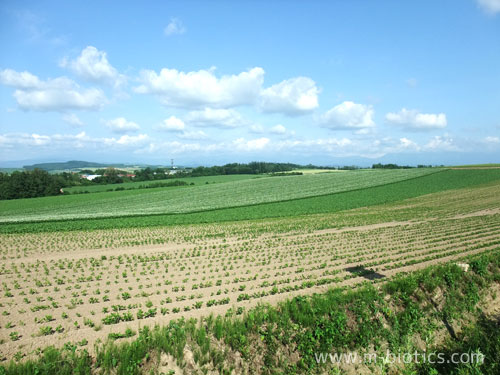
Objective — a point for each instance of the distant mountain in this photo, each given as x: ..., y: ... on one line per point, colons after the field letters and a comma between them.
x: 72, y: 164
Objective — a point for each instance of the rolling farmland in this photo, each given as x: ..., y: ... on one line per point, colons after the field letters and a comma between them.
x: 138, y: 184
x: 199, y: 198
x: 249, y: 242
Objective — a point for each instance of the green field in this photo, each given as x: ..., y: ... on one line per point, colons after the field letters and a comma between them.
x: 491, y: 165
x: 138, y: 184
x: 393, y: 192
x: 198, y: 198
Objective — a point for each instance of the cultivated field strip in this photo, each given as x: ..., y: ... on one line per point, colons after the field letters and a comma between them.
x: 460, y: 202
x: 79, y: 297
x: 200, y: 198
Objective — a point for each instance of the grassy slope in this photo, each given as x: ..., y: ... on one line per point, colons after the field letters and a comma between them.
x: 197, y: 198
x: 188, y: 180
x: 442, y: 181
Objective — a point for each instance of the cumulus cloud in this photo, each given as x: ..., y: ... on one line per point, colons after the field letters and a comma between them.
x: 199, y: 89
x: 203, y: 89
x: 172, y: 124
x: 348, y: 115
x: 127, y: 140
x: 176, y: 147
x: 174, y: 27
x: 193, y: 134
x: 408, y: 144
x: 34, y: 142
x: 316, y: 145
x: 251, y: 145
x: 491, y: 139
x: 278, y: 129
x: 331, y: 146
x: 256, y: 128
x: 122, y: 125
x: 293, y: 96
x: 441, y: 143
x: 490, y: 6
x: 176, y: 125
x: 93, y: 65
x: 20, y: 80
x: 58, y: 94
x: 413, y: 119
x: 218, y: 118
x: 72, y: 119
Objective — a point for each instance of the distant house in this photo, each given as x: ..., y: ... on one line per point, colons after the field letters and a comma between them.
x: 90, y: 177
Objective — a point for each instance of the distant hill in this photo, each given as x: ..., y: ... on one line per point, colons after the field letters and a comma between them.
x: 72, y: 164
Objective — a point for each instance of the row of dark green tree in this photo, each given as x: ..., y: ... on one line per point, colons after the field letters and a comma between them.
x: 396, y: 166
x: 148, y: 174
x: 30, y: 184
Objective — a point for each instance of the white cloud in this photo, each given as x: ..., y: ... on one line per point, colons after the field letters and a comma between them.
x: 172, y: 124
x: 122, y: 125
x: 278, y: 129
x: 56, y: 142
x: 408, y: 144
x: 201, y: 88
x: 127, y: 140
x: 176, y: 125
x: 292, y: 97
x: 58, y: 94
x: 193, y: 134
x: 176, y: 147
x: 72, y: 119
x: 93, y: 65
x: 490, y: 6
x: 441, y: 143
x: 256, y: 128
x: 348, y: 115
x: 491, y: 139
x: 218, y: 118
x: 252, y: 145
x: 174, y: 27
x: 20, y: 80
x: 413, y: 119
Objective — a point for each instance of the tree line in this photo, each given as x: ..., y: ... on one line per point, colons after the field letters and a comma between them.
x: 30, y: 184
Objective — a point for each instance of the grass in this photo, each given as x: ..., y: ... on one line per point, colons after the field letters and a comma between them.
x: 393, y: 192
x: 197, y: 198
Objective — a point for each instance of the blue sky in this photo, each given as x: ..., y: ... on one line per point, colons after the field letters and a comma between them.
x: 210, y: 82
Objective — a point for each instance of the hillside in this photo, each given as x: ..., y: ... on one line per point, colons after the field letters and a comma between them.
x: 72, y: 164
